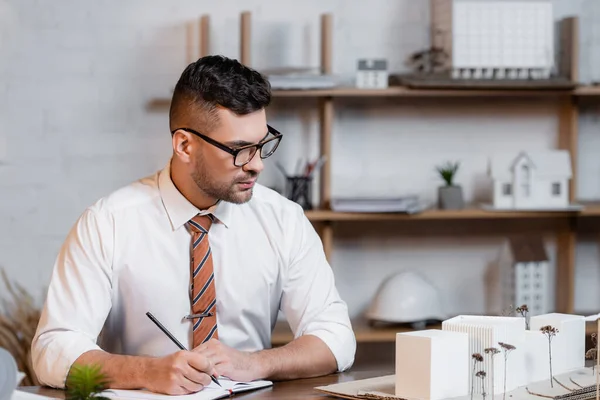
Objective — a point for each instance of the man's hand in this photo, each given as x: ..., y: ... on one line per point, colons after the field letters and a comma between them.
x: 183, y: 372
x: 233, y: 364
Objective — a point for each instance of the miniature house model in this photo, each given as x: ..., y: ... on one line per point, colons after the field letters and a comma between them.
x: 531, y: 180
x: 372, y: 74
x: 495, y: 39
x: 524, y: 270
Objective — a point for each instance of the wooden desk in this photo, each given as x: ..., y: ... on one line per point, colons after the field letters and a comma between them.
x: 301, y: 388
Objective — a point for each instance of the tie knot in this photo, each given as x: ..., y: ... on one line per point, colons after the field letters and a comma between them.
x: 201, y: 223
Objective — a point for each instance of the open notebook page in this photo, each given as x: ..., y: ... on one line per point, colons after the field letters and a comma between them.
x: 210, y: 392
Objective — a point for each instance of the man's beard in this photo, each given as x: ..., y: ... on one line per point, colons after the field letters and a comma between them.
x: 228, y: 192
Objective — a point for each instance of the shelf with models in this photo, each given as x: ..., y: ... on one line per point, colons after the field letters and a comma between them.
x: 366, y: 333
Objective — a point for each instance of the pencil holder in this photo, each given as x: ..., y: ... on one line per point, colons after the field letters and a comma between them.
x: 298, y: 189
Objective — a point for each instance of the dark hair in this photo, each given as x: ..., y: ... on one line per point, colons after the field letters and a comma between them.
x: 214, y: 81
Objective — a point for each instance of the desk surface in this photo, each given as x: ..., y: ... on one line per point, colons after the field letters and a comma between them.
x: 301, y: 388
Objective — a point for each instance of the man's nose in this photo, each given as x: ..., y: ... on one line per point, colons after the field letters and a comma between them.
x: 256, y: 164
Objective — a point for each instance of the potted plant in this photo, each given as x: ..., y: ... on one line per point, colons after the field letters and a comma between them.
x: 86, y: 382
x: 450, y: 196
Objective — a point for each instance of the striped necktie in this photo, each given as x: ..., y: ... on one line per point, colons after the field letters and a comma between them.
x: 203, y: 298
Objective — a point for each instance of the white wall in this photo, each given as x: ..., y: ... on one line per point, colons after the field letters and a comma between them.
x: 76, y: 77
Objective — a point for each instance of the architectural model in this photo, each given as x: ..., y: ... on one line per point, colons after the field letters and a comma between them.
x: 483, y: 351
x: 427, y: 375
x: 487, y: 332
x: 568, y: 351
x: 523, y: 267
x: 531, y: 180
x: 495, y: 39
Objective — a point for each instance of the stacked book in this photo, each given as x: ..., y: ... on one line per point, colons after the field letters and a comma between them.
x: 298, y: 79
x: 406, y: 204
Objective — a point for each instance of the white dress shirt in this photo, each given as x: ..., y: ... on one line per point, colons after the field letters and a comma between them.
x: 129, y: 253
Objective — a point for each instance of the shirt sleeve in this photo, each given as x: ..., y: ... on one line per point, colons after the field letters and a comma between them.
x: 78, y: 299
x: 310, y: 300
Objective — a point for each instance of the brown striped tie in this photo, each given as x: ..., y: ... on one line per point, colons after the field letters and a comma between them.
x: 203, y: 299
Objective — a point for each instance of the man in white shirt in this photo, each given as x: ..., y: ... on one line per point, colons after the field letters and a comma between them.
x: 201, y: 246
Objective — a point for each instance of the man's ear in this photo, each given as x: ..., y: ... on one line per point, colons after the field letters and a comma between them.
x: 182, y: 145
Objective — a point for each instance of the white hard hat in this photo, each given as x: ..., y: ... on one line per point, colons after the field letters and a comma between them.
x: 406, y: 297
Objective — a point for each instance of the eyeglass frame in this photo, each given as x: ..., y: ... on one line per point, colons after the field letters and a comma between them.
x: 235, y: 151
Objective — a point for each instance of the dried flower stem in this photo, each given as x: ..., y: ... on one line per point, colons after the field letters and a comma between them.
x: 550, y: 332
x: 506, y: 348
x: 476, y: 358
x: 482, y: 375
x: 524, y: 311
x: 492, y: 351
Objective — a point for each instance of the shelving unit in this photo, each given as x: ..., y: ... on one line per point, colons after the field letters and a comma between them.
x: 562, y: 224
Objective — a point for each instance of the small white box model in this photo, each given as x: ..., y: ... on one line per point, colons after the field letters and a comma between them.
x: 523, y: 265
x: 432, y: 364
x: 531, y: 180
x: 372, y: 74
x: 568, y: 346
x: 495, y: 39
x: 485, y: 332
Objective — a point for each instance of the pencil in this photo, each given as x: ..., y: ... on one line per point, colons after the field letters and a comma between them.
x: 174, y: 339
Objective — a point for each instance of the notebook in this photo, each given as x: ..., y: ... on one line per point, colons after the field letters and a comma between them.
x: 210, y: 392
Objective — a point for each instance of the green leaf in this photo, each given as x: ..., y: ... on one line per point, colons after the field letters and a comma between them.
x: 85, y: 382
x: 448, y: 172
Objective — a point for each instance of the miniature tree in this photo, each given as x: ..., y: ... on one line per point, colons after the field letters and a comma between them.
x: 476, y: 359
x: 492, y: 351
x: 524, y: 311
x: 592, y: 354
x: 507, y: 349
x: 481, y: 375
x: 550, y: 332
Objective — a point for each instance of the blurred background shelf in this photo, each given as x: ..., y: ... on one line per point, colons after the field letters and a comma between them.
x: 369, y: 334
x: 399, y: 91
x: 436, y: 214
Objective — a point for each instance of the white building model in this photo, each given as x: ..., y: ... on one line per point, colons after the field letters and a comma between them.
x: 435, y: 355
x: 529, y: 180
x: 524, y: 270
x: 486, y: 332
x: 495, y: 39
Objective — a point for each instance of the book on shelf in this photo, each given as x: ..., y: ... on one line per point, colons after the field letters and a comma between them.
x: 298, y: 78
x: 407, y: 204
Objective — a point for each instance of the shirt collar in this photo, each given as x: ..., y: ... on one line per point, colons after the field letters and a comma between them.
x: 180, y: 210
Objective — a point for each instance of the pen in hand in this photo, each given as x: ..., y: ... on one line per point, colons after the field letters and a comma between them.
x: 174, y: 339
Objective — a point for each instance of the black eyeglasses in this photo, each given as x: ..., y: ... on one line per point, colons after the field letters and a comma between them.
x: 244, y: 154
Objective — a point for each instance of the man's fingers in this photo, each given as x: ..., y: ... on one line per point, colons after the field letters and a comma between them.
x: 192, y: 387
x: 201, y: 363
x: 197, y: 377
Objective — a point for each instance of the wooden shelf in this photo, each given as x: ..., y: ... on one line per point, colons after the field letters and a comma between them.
x: 399, y: 91
x: 467, y: 213
x: 588, y: 91
x: 363, y: 332
x: 367, y: 334
x: 590, y: 210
